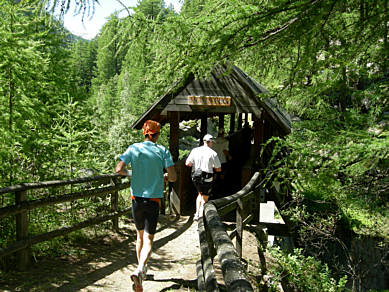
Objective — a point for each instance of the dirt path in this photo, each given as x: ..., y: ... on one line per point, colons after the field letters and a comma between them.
x: 107, y: 263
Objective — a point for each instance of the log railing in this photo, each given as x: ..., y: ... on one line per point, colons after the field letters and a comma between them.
x: 107, y: 185
x: 214, y: 239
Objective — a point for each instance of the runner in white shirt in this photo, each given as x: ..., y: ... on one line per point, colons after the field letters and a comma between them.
x: 204, y: 161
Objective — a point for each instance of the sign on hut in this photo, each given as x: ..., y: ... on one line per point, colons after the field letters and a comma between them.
x: 227, y: 91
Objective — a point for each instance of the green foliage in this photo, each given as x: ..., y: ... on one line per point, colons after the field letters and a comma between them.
x: 83, y: 64
x: 344, y: 163
x: 301, y: 273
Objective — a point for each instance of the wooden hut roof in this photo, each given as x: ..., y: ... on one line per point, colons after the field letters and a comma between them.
x: 232, y: 89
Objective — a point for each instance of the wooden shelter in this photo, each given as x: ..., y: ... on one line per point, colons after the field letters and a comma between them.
x: 227, y: 91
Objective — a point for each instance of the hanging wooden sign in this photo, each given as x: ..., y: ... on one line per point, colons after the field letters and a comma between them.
x: 210, y: 100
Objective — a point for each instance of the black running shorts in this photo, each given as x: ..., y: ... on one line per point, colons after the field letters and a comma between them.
x: 204, y: 187
x: 145, y: 213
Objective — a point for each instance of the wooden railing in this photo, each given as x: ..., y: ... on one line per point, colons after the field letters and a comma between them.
x: 214, y: 239
x: 91, y: 187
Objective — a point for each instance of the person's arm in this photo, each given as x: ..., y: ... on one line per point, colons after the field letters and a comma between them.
x: 227, y: 154
x: 216, y: 164
x: 189, y: 160
x: 171, y: 174
x: 121, y: 169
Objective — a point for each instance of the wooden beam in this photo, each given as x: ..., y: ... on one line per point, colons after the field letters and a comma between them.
x: 233, y: 270
x: 221, y: 121
x: 232, y: 123
x: 210, y: 283
x: 203, y: 128
x: 239, y: 121
x: 174, y: 120
x: 258, y: 134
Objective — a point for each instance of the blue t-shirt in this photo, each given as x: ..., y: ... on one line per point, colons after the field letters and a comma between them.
x: 147, y: 161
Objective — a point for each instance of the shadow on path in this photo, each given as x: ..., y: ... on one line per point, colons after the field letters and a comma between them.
x: 102, y: 258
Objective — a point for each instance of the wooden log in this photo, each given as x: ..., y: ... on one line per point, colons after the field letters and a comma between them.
x: 233, y: 270
x: 200, y: 276
x: 38, y: 185
x: 210, y: 283
x: 247, y: 188
x: 29, y: 205
x: 233, y: 205
x: 114, y: 205
x: 25, y: 243
x: 22, y: 231
x: 239, y: 228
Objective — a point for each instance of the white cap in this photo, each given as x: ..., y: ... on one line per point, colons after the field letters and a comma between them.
x: 208, y: 137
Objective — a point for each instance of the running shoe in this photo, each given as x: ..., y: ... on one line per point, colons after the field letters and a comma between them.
x: 136, y: 278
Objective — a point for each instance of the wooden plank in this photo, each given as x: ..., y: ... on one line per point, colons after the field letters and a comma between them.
x: 209, y: 100
x: 56, y: 183
x: 29, y: 205
x: 277, y: 229
x: 175, y: 108
x: 175, y: 201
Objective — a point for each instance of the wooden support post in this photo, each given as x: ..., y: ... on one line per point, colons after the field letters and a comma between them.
x: 258, y: 135
x: 174, y: 120
x: 261, y: 247
x: 221, y: 121
x: 22, y: 231
x: 114, y: 204
x: 232, y: 123
x: 239, y: 228
x: 203, y: 129
x: 239, y: 122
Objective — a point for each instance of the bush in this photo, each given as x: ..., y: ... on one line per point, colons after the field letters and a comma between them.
x: 301, y: 273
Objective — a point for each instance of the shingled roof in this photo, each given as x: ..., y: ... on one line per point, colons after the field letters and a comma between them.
x: 224, y: 82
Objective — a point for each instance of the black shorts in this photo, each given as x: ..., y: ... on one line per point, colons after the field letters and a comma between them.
x: 145, y: 213
x: 204, y: 187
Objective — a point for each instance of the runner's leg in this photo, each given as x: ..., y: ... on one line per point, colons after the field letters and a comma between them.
x: 198, y: 205
x: 146, y: 250
x: 139, y: 243
x: 203, y: 200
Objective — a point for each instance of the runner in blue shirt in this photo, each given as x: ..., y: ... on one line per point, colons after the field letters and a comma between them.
x: 147, y: 160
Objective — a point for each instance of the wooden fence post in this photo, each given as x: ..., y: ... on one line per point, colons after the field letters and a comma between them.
x: 22, y: 230
x: 114, y: 204
x: 239, y: 228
